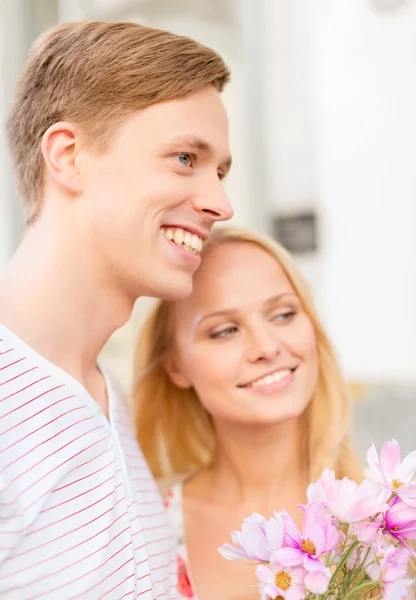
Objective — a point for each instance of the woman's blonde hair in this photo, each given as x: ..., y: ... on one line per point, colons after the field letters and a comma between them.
x: 175, y: 431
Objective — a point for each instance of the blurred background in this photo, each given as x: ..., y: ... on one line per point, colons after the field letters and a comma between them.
x: 322, y: 109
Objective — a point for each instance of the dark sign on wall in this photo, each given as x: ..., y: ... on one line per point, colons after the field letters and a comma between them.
x: 297, y: 233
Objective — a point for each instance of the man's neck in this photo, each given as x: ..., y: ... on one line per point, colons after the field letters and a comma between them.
x: 53, y: 297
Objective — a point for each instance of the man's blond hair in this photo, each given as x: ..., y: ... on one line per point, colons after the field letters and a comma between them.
x: 95, y: 74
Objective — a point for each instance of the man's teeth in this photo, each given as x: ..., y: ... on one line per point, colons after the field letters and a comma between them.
x: 181, y: 237
x: 269, y: 379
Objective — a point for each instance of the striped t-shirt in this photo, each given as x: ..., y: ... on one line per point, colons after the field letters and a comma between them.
x: 80, y: 513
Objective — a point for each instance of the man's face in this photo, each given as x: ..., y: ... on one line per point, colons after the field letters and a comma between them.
x: 152, y: 197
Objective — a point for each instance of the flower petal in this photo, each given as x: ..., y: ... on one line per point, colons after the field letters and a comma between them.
x: 332, y: 538
x: 292, y: 535
x: 288, y: 557
x: 373, y: 460
x: 253, y: 540
x: 315, y: 493
x: 298, y: 576
x: 398, y: 590
x: 271, y: 590
x: 313, y: 564
x: 390, y: 460
x: 232, y: 552
x: 313, y: 531
x: 407, y: 469
x: 274, y: 529
x: 407, y: 493
x: 373, y: 571
x: 367, y: 532
x: 263, y: 573
x: 317, y: 582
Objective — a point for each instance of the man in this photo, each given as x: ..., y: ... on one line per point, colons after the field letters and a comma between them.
x: 120, y: 143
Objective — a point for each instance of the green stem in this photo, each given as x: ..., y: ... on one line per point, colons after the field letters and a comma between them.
x: 367, y: 584
x: 344, y: 560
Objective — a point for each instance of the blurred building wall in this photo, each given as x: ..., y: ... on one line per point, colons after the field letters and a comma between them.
x: 21, y: 21
x: 288, y: 121
x: 365, y: 97
x: 341, y: 133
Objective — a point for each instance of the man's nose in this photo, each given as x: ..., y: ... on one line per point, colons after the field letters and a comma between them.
x: 214, y: 202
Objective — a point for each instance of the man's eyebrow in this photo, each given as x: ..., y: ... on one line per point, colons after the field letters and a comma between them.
x: 195, y: 143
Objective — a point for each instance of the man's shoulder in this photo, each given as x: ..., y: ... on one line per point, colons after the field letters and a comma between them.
x: 29, y: 389
x: 46, y: 429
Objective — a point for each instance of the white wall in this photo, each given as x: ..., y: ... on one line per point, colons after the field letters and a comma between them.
x: 289, y: 119
x: 341, y: 125
x: 365, y: 94
x: 20, y: 23
x: 289, y: 115
x: 6, y: 240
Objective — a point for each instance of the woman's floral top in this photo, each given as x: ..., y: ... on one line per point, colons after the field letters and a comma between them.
x: 173, y: 503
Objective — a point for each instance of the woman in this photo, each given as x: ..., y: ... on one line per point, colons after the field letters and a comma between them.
x: 239, y: 390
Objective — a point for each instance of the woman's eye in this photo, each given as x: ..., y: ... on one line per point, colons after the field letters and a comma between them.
x: 284, y: 316
x: 185, y: 159
x: 223, y: 333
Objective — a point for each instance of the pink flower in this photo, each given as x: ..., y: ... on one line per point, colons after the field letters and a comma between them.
x: 279, y: 581
x: 257, y: 540
x: 400, y: 522
x: 389, y: 567
x: 319, y: 537
x: 394, y: 473
x: 398, y: 590
x: 367, y: 532
x: 347, y: 501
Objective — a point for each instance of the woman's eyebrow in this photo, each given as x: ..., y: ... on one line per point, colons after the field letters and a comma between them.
x: 229, y: 311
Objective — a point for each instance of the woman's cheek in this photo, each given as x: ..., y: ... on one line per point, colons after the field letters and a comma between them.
x: 216, y: 366
x: 302, y: 338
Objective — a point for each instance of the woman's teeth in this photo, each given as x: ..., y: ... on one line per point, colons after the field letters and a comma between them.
x: 183, y: 238
x: 269, y: 379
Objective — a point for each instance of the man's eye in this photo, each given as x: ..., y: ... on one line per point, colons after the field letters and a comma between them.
x: 185, y: 159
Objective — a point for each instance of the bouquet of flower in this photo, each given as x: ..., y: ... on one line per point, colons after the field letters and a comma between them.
x: 354, y: 538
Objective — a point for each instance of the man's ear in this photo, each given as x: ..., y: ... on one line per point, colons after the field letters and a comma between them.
x: 59, y: 149
x: 175, y: 371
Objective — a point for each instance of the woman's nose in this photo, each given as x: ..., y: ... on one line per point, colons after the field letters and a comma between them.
x: 263, y: 345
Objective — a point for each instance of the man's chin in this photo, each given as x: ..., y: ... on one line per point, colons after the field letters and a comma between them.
x: 178, y: 291
x: 174, y: 288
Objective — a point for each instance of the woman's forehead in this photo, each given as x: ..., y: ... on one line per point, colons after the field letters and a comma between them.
x: 233, y: 275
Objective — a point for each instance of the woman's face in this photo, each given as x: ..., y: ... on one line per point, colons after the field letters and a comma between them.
x: 242, y: 339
